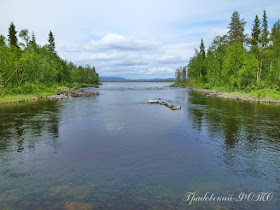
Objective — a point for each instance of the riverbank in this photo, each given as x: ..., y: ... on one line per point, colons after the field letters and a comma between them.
x: 54, y: 93
x: 262, y: 95
x: 234, y: 95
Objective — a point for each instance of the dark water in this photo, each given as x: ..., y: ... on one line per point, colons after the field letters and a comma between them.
x: 116, y: 151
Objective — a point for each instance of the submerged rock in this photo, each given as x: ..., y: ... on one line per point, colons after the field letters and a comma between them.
x: 76, y: 192
x: 77, y: 206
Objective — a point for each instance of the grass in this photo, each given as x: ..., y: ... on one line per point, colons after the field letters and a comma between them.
x: 260, y: 94
x: 38, y: 93
x: 265, y: 93
x: 31, y: 92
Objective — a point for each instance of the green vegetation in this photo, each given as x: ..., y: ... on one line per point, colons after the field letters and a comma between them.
x: 28, y: 69
x: 36, y: 93
x: 237, y: 61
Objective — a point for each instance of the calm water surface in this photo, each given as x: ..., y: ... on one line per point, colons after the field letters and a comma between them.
x: 117, y: 151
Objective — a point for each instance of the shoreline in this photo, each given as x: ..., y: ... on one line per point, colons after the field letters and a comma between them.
x: 72, y: 93
x: 226, y: 95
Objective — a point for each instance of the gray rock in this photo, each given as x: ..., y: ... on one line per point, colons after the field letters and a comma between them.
x: 175, y: 107
x: 153, y: 101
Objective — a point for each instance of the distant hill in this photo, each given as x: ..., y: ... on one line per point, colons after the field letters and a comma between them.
x: 157, y: 79
x: 120, y: 79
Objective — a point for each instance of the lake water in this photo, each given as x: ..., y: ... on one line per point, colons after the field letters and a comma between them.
x: 116, y: 151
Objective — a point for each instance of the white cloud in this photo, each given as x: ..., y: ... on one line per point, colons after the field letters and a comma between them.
x: 216, y: 32
x: 161, y: 69
x: 119, y: 42
x: 115, y: 54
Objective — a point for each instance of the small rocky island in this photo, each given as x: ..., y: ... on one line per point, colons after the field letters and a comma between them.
x: 172, y: 107
x: 72, y: 94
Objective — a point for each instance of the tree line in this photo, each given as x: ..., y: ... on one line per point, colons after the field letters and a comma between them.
x: 25, y: 66
x: 238, y: 60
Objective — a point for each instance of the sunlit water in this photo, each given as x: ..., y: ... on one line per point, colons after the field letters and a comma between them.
x: 116, y: 151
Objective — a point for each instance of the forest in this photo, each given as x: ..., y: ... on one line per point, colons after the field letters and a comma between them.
x: 26, y: 67
x: 237, y: 61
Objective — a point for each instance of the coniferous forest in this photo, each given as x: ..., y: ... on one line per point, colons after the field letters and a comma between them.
x: 27, y: 67
x: 237, y: 61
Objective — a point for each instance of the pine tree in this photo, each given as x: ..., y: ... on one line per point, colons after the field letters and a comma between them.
x: 93, y: 69
x: 51, y: 42
x: 256, y: 31
x: 275, y: 31
x: 236, y: 28
x: 13, y: 41
x: 265, y: 32
x: 202, y: 50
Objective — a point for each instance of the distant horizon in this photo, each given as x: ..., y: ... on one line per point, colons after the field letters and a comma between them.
x: 120, y: 77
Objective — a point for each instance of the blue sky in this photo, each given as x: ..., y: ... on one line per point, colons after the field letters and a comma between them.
x: 130, y: 38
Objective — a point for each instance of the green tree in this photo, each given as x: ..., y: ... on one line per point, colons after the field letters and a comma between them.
x: 202, y: 50
x: 265, y: 32
x: 32, y: 42
x: 23, y: 71
x: 236, y: 28
x: 2, y: 40
x: 247, y: 74
x: 234, y: 61
x: 184, y: 74
x: 256, y: 32
x: 24, y: 34
x: 194, y: 67
x: 214, y: 60
x: 13, y: 41
x: 178, y: 75
x: 51, y: 42
x: 275, y: 31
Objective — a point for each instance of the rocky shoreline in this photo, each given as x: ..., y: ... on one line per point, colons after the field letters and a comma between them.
x: 220, y: 94
x: 74, y: 93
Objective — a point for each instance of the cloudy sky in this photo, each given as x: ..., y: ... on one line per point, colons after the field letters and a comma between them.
x: 130, y: 38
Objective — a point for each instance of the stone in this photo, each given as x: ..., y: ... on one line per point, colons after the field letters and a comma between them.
x: 175, y: 107
x: 169, y: 105
x: 153, y: 102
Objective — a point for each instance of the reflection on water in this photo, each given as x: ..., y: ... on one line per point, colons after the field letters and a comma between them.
x: 22, y: 125
x: 117, y: 151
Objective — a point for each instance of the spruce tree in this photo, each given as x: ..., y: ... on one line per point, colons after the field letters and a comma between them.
x: 2, y: 40
x: 265, y: 32
x: 256, y: 31
x: 13, y: 41
x: 51, y: 42
x: 236, y: 28
x: 202, y: 50
x: 275, y: 31
x: 32, y: 42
